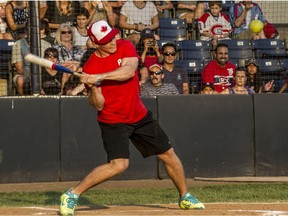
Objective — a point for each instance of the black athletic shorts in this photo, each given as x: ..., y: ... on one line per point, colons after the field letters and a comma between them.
x: 147, y: 136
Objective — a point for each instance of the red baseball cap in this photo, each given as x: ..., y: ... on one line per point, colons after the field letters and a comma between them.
x: 101, y: 33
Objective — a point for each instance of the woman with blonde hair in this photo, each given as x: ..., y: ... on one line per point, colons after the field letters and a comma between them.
x: 60, y: 11
x: 69, y: 54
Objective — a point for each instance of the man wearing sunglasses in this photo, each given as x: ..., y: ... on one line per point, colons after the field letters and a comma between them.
x: 174, y: 73
x: 156, y: 86
x: 111, y: 77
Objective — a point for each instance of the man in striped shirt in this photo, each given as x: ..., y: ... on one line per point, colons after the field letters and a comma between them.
x: 156, y: 86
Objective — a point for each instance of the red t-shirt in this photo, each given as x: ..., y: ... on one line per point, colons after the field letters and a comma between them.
x: 122, y: 99
x: 220, y: 77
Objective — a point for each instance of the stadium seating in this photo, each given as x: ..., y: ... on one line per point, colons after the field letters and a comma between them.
x: 5, y: 65
x: 172, y: 29
x: 239, y: 50
x: 194, y: 49
x: 271, y: 69
x: 172, y: 23
x: 194, y: 69
x: 269, y: 48
x: 162, y: 42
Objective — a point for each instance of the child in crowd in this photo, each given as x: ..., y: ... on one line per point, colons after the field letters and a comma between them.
x: 214, y: 25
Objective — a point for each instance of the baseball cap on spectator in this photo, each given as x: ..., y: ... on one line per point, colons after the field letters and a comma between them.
x: 251, y: 61
x: 207, y: 85
x: 101, y: 33
x: 155, y: 65
x: 146, y: 33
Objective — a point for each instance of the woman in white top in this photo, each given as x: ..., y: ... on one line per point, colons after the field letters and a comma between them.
x: 80, y: 30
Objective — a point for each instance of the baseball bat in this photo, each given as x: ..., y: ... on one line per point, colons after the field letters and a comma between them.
x: 48, y: 64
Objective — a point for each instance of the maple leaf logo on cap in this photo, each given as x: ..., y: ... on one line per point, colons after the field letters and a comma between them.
x: 104, y: 29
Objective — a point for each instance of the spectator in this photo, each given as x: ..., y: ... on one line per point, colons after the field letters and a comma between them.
x: 214, y: 25
x: 3, y: 22
x: 51, y: 79
x: 284, y: 87
x: 101, y: 10
x: 69, y: 55
x: 64, y: 42
x: 17, y: 18
x: 59, y: 12
x: 43, y: 8
x: 156, y: 85
x: 240, y: 81
x: 241, y: 14
x: 149, y: 53
x: 207, y: 88
x: 45, y: 32
x: 219, y: 71
x: 163, y: 8
x: 136, y: 16
x: 80, y: 30
x: 22, y: 77
x: 202, y: 7
x: 77, y: 88
x: 254, y: 78
x: 174, y: 73
x: 185, y: 10
x: 117, y: 5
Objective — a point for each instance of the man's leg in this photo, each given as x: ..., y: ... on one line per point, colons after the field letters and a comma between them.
x: 175, y: 171
x: 95, y: 177
x: 101, y: 174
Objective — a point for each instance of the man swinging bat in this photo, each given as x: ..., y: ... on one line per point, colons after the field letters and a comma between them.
x: 122, y: 116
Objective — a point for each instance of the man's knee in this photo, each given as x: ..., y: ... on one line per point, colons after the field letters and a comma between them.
x: 169, y: 154
x: 119, y: 165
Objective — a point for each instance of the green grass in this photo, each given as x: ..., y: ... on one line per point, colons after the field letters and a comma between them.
x: 264, y: 192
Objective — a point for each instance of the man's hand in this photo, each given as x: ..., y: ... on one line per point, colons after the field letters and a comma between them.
x: 91, y: 79
x: 269, y: 85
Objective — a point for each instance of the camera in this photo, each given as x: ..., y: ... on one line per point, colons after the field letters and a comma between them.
x: 151, y: 43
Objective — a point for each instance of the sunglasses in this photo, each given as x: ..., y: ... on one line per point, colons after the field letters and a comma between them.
x: 51, y: 56
x: 157, y: 72
x: 66, y: 32
x: 169, y: 54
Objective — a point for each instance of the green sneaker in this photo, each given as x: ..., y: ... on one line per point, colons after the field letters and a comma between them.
x: 190, y: 202
x: 68, y: 202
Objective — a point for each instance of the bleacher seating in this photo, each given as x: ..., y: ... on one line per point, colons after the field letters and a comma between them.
x: 194, y: 49
x: 239, y: 50
x: 172, y: 23
x: 194, y: 69
x: 162, y: 42
x: 5, y: 65
x: 172, y: 29
x: 271, y: 69
x: 269, y: 48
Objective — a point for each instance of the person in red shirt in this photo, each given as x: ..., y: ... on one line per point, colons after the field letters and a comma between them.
x: 219, y: 71
x: 111, y: 77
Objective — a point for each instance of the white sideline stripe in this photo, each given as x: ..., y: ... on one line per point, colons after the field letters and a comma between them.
x: 41, y: 208
x: 266, y: 212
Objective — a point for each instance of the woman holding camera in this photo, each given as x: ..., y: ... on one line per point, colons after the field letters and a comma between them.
x: 149, y: 53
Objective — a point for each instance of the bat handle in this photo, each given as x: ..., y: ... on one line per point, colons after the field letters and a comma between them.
x: 77, y: 74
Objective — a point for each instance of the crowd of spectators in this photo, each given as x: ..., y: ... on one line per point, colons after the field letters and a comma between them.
x: 63, y: 31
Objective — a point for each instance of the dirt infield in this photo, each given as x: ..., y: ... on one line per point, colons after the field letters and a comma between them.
x: 212, y: 209
x: 251, y: 209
